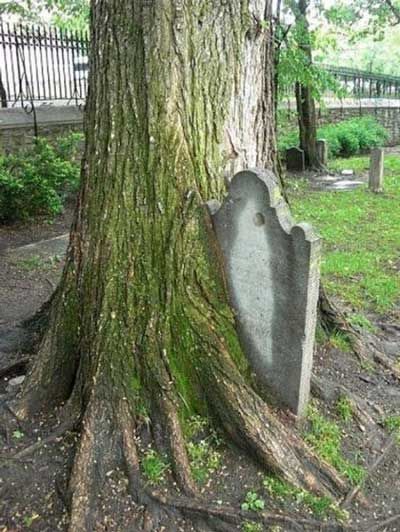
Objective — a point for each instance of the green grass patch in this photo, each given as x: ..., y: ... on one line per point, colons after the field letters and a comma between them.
x: 392, y: 423
x: 344, y: 408
x: 154, y: 467
x: 361, y: 236
x: 203, y: 448
x: 321, y: 507
x: 325, y: 437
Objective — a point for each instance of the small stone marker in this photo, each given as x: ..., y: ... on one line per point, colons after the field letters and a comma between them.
x: 295, y: 161
x: 376, y: 170
x: 271, y: 268
x: 322, y: 151
x: 347, y: 173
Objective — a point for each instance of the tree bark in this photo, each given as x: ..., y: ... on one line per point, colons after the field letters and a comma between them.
x: 181, y: 95
x: 3, y: 94
x: 305, y: 102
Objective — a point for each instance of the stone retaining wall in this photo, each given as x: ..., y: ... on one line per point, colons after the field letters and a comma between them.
x: 17, y: 127
x: 386, y: 112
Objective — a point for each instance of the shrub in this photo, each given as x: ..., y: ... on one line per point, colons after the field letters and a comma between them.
x: 36, y: 181
x: 345, y: 138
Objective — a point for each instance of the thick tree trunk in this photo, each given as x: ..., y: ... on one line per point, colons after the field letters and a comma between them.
x: 180, y: 95
x: 305, y: 102
x: 306, y: 114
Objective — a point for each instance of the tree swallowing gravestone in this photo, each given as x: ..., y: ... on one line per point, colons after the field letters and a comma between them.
x: 271, y: 269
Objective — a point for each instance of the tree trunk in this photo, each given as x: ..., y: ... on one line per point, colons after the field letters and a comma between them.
x: 3, y: 94
x: 181, y: 94
x: 305, y: 102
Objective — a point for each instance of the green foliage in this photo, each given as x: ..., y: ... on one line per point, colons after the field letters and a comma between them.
x: 361, y: 237
x: 34, y: 182
x: 344, y: 408
x: 345, y: 138
x: 66, y: 14
x: 359, y: 320
x: 340, y: 341
x: 154, y: 467
x: 392, y: 423
x: 252, y: 502
x: 204, y: 459
x: 17, y: 434
x: 325, y: 438
x: 250, y: 526
x: 204, y: 456
x: 322, y: 507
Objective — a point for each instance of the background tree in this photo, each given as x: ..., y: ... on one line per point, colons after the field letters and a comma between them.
x: 71, y: 14
x: 295, y: 67
x: 181, y: 94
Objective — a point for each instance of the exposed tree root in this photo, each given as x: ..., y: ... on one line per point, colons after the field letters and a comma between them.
x: 196, y: 507
x: 353, y: 493
x: 57, y: 433
x: 249, y: 422
x: 383, y: 524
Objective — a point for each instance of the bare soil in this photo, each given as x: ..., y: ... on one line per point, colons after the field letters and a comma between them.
x: 33, y: 488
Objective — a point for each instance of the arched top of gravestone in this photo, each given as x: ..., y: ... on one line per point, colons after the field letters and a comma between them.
x: 271, y: 270
x: 263, y: 185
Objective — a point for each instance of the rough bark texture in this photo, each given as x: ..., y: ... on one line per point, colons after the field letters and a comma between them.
x: 305, y: 102
x: 180, y: 95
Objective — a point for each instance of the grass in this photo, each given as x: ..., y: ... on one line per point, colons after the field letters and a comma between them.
x: 202, y: 447
x: 154, y: 467
x: 321, y: 507
x: 344, y: 408
x: 392, y: 423
x: 325, y: 437
x: 361, y: 236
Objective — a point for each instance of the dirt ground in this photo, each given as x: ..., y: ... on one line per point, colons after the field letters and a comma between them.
x: 33, y: 488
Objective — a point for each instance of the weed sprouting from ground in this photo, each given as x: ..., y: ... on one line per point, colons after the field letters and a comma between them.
x: 392, y: 423
x: 324, y: 437
x: 321, y: 507
x: 154, y: 467
x: 253, y: 502
x: 344, y: 408
x: 203, y: 448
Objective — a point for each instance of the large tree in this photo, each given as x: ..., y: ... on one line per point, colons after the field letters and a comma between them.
x: 181, y: 95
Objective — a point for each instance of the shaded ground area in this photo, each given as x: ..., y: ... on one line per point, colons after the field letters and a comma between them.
x: 33, y: 490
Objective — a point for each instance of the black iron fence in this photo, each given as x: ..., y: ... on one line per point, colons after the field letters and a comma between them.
x: 42, y: 65
x: 49, y: 65
x: 364, y: 84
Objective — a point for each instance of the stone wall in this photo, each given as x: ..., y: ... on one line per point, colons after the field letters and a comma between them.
x: 17, y: 127
x: 388, y: 117
x: 386, y: 112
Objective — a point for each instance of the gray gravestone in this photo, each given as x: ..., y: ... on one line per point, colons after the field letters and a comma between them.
x: 271, y: 268
x: 295, y: 161
x: 322, y: 151
x: 376, y: 170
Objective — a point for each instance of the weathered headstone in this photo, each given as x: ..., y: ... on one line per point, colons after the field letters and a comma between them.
x: 375, y: 182
x: 272, y: 272
x: 322, y: 151
x: 295, y: 161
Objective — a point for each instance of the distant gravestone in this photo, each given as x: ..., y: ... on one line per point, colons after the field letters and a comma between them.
x: 295, y: 161
x: 271, y: 268
x: 375, y: 182
x: 322, y: 151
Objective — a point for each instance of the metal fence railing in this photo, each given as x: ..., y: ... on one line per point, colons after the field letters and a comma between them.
x: 42, y: 65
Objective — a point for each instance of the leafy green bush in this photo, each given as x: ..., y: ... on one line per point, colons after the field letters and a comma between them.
x: 36, y: 181
x: 345, y: 138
